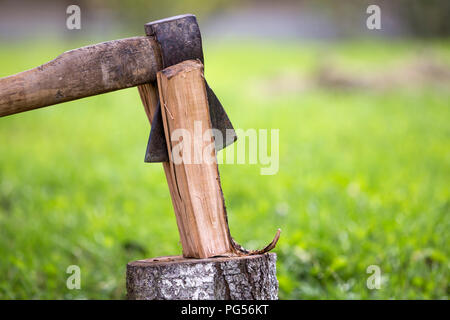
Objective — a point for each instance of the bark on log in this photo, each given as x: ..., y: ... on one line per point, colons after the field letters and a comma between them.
x: 250, y: 277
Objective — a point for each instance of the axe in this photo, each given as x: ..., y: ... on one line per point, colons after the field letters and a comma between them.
x: 120, y: 64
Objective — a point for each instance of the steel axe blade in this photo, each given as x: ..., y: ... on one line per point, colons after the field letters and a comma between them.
x: 180, y: 39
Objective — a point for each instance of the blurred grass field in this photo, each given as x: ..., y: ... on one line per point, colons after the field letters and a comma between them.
x: 363, y: 179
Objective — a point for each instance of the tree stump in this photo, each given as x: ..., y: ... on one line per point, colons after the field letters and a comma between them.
x: 251, y: 277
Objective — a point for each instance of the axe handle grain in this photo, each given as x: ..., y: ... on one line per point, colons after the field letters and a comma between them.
x: 82, y: 72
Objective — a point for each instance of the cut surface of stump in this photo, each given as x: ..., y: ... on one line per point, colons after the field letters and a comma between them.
x: 225, y: 278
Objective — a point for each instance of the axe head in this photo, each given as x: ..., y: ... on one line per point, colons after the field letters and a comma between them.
x: 179, y: 39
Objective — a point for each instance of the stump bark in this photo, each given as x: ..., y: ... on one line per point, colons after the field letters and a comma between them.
x: 251, y: 277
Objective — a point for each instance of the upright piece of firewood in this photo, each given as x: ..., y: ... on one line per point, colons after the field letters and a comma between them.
x: 199, y: 202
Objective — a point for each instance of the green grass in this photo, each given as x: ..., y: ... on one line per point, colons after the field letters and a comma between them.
x: 363, y: 179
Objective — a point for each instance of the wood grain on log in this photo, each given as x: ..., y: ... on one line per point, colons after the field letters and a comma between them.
x: 200, y: 209
x: 229, y: 278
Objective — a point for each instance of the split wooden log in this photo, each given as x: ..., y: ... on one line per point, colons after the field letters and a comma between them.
x: 194, y: 181
x: 228, y: 278
x: 150, y: 96
x: 201, y: 214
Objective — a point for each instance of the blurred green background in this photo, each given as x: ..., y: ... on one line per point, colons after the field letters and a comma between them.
x: 364, y: 149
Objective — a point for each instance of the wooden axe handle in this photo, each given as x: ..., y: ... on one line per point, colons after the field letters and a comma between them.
x: 82, y: 72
